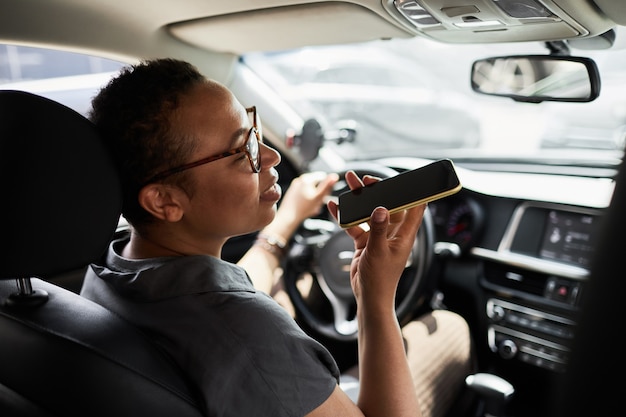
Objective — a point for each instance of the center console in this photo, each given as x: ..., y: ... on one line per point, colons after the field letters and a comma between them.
x: 534, y: 281
x: 529, y: 335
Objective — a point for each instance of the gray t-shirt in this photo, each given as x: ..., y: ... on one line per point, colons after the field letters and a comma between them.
x: 243, y: 351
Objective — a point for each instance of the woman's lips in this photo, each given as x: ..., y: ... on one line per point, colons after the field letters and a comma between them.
x: 272, y: 194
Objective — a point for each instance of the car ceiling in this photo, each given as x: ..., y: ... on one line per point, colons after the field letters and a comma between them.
x: 187, y: 29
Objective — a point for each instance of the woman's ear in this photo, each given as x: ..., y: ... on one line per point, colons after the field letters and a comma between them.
x: 162, y: 201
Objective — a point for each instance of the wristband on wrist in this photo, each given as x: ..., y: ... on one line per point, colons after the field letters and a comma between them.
x: 274, y: 244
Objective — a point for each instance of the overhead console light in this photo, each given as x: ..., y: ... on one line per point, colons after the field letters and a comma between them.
x: 524, y: 9
x: 489, y: 21
x: 415, y: 13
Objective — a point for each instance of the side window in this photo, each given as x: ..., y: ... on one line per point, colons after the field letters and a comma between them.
x: 69, y: 78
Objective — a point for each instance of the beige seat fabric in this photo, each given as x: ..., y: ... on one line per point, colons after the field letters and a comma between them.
x: 439, y: 349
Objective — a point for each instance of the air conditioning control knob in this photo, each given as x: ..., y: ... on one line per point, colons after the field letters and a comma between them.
x: 497, y: 313
x: 507, y: 349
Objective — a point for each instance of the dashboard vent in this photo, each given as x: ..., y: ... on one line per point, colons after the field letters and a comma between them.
x: 513, y: 278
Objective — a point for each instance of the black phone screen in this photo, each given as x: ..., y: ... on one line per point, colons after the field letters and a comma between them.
x: 407, y: 189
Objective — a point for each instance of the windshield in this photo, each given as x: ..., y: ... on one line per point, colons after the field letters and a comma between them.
x: 413, y: 97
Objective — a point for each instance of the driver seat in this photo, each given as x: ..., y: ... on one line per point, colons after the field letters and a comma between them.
x: 61, y: 354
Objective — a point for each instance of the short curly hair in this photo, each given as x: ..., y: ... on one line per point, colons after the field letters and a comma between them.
x: 134, y: 113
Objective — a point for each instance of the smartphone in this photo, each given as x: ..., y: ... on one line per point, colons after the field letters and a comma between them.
x: 407, y: 189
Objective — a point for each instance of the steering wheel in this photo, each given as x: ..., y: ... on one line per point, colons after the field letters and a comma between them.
x: 317, y: 269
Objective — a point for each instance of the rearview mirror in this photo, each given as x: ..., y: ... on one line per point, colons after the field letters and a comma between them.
x: 537, y: 78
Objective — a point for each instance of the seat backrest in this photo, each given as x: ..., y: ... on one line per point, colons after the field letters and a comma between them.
x: 60, y: 354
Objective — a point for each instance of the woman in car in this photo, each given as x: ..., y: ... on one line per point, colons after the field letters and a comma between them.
x: 195, y: 172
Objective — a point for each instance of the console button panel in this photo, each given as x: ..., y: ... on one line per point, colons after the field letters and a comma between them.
x: 535, y: 337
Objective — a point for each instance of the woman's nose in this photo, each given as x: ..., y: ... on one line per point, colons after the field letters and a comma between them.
x: 269, y: 156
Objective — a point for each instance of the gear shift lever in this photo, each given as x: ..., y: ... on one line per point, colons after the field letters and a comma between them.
x: 493, y: 390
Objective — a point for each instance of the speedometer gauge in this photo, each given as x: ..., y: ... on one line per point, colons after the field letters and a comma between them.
x: 464, y: 223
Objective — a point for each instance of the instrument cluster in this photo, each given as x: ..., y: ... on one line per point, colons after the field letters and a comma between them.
x: 458, y: 221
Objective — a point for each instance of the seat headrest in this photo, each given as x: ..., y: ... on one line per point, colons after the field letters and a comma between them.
x: 61, y: 195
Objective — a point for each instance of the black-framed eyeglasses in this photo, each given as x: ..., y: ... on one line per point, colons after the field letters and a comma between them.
x: 250, y: 148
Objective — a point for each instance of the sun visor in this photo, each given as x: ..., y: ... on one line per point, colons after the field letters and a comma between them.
x: 314, y: 24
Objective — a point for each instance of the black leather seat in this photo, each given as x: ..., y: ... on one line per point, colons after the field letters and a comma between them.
x: 60, y: 354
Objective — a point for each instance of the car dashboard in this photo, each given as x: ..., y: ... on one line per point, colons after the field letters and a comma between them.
x: 513, y: 252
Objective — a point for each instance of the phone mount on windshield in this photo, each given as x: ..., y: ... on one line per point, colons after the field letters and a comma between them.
x: 312, y: 138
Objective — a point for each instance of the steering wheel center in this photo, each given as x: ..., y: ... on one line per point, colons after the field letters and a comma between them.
x: 335, y: 259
